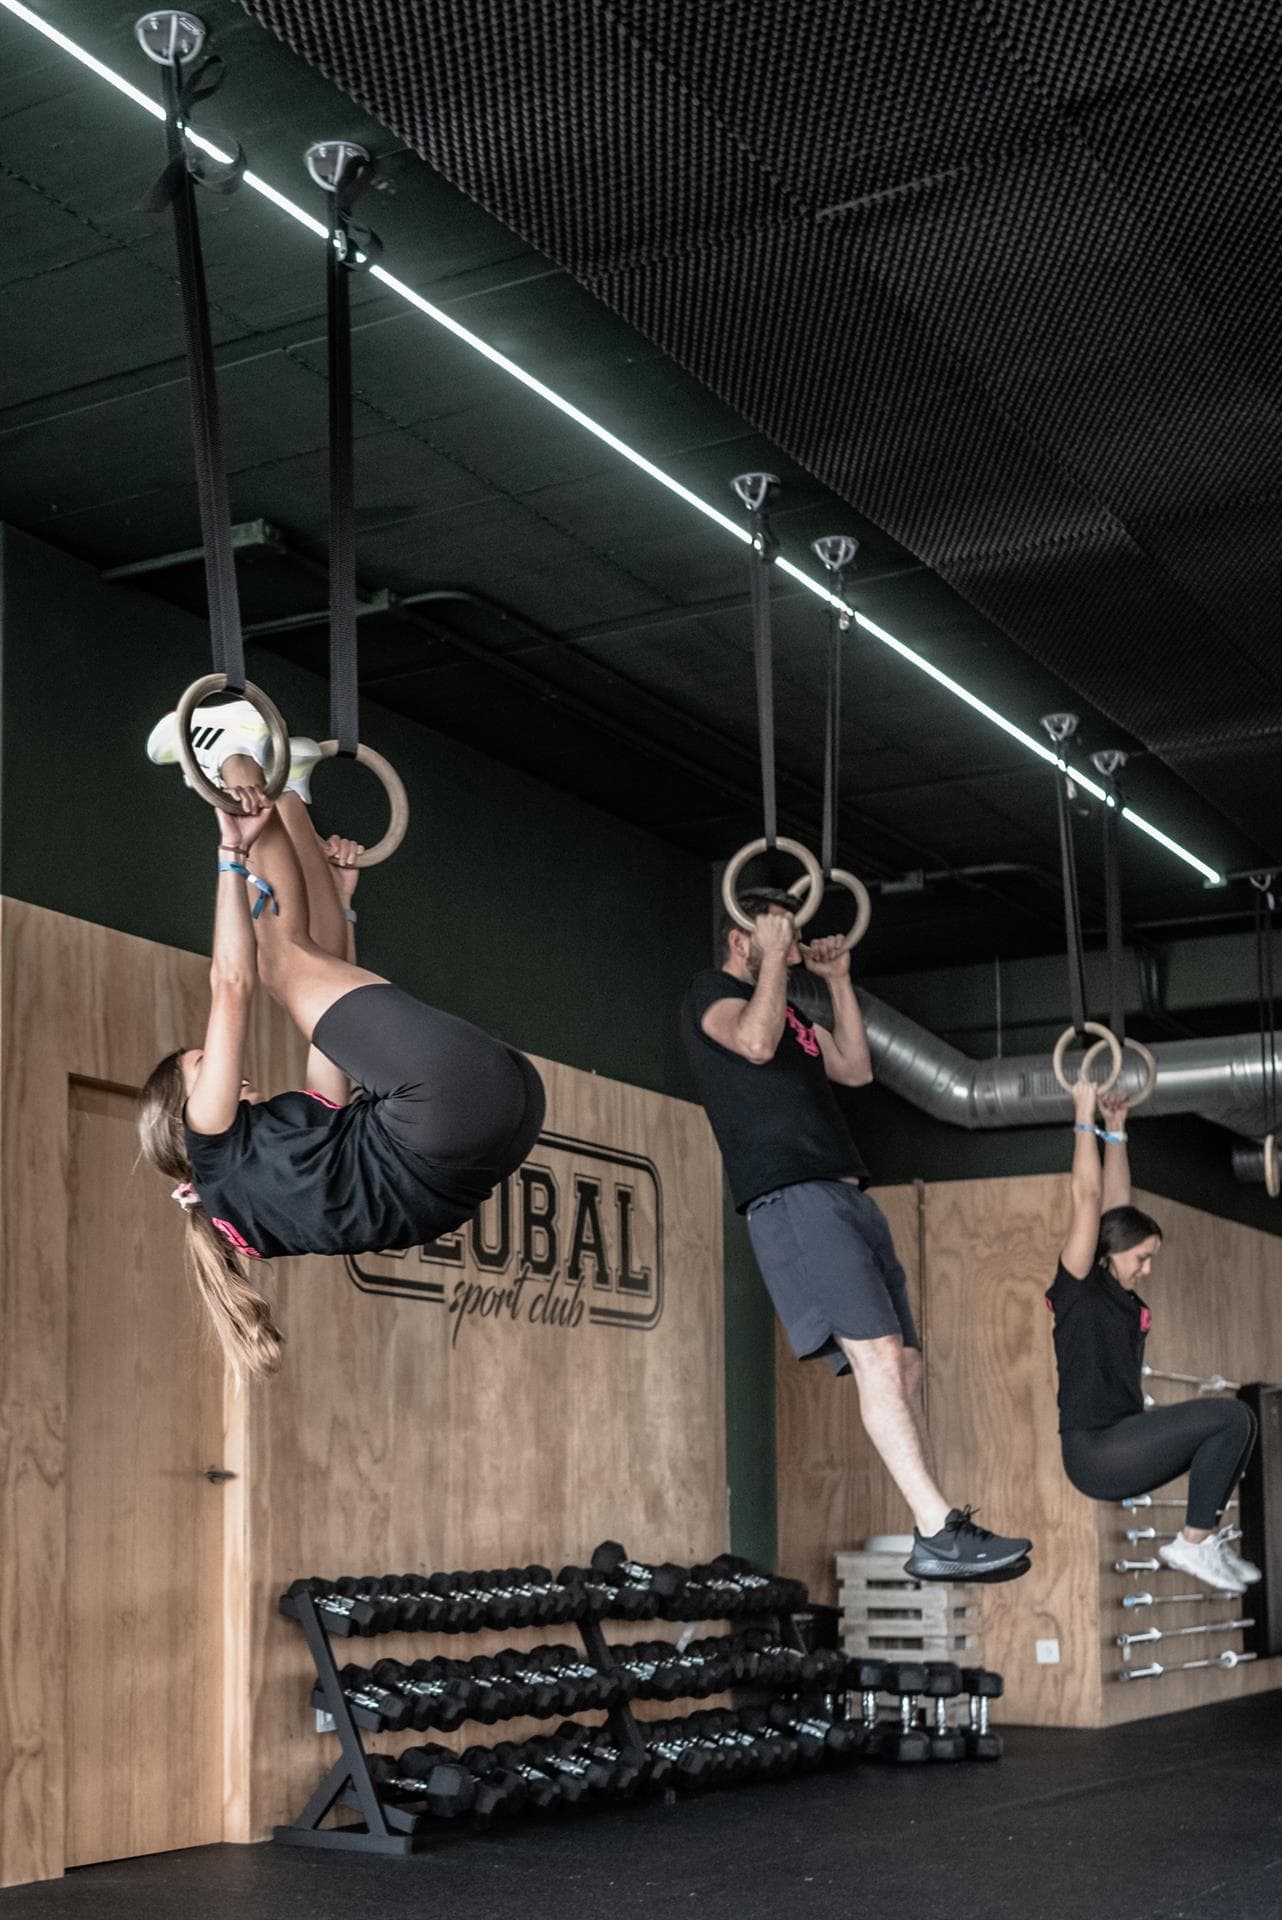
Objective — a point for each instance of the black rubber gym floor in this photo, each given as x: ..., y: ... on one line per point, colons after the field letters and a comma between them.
x: 1179, y: 1819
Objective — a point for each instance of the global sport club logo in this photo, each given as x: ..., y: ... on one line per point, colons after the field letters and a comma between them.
x: 574, y: 1236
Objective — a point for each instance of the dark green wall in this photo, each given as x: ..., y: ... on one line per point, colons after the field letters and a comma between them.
x: 542, y: 919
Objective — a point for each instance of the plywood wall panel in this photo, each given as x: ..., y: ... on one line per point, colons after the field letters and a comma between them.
x: 988, y: 1253
x: 75, y: 1000
x: 144, y: 1524
x: 389, y: 1442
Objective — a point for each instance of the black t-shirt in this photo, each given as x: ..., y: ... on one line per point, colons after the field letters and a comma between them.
x: 1100, y: 1330
x: 296, y: 1174
x: 778, y: 1123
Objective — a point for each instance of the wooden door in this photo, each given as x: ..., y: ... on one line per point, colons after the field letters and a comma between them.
x: 144, y: 1524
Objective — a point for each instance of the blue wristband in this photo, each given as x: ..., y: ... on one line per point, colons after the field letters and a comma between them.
x: 1113, y: 1139
x: 265, y: 892
x: 1079, y: 1128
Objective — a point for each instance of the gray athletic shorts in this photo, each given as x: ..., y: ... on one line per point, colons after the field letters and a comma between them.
x: 829, y: 1263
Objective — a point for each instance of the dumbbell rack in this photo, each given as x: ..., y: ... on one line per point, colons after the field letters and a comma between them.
x: 391, y: 1829
x: 388, y: 1828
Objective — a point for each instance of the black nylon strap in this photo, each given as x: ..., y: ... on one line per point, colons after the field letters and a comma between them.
x: 759, y: 571
x: 1072, y: 903
x: 226, y: 643
x: 1113, y: 909
x: 1267, y: 1000
x: 344, y: 699
x: 832, y: 735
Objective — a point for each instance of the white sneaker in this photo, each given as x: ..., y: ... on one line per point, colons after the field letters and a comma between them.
x: 1245, y: 1570
x: 1205, y: 1561
x: 219, y: 732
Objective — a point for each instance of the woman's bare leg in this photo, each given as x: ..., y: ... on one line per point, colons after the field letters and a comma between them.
x: 294, y: 967
x: 326, y: 923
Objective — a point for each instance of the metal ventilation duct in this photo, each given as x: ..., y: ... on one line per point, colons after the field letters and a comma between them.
x: 1222, y: 1079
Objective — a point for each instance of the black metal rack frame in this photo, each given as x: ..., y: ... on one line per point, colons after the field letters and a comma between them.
x: 396, y: 1830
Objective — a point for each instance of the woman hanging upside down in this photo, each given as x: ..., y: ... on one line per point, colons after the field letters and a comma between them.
x: 445, y: 1112
x: 1112, y: 1448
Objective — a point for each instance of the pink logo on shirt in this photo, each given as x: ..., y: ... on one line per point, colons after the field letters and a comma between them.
x: 803, y: 1034
x: 1146, y: 1319
x: 238, y: 1240
x: 311, y: 1094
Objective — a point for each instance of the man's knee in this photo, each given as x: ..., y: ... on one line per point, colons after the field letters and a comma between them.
x: 877, y: 1363
x: 911, y: 1368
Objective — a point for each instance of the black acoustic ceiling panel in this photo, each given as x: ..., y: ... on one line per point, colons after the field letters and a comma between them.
x: 1002, y: 273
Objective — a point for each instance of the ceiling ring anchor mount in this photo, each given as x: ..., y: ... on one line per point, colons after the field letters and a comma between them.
x: 328, y: 162
x: 756, y: 490
x: 836, y: 551
x: 1060, y: 726
x: 171, y: 37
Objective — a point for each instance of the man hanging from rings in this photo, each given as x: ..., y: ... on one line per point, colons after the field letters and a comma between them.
x: 765, y: 1075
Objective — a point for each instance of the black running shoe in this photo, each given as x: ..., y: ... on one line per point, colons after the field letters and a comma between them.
x: 962, y: 1551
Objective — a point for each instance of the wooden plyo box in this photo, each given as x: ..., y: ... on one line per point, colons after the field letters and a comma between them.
x: 885, y: 1615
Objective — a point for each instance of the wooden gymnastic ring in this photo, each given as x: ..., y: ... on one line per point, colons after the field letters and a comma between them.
x: 863, y: 903
x: 1150, y: 1069
x: 396, y: 795
x: 1065, y: 1041
x: 1272, y: 1174
x: 812, y: 876
x: 276, y: 775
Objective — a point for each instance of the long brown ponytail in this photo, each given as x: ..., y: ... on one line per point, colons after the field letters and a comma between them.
x: 240, y: 1316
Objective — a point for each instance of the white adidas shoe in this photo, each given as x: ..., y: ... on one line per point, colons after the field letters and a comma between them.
x: 1246, y: 1570
x: 1205, y: 1561
x: 219, y: 732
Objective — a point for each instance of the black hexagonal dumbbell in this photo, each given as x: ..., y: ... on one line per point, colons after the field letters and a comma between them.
x: 897, y: 1739
x: 444, y: 1787
x: 373, y: 1706
x: 982, y: 1686
x: 495, y: 1794
x: 676, y: 1758
x: 762, y: 1751
x: 634, y: 1763
x: 501, y: 1792
x: 584, y: 1685
x: 338, y: 1613
x: 772, y: 1662
x: 660, y: 1585
x: 602, y: 1597
x: 693, y: 1736
x: 544, y: 1790
x: 599, y: 1776
x: 760, y: 1592
x: 943, y: 1683
x: 834, y: 1742
x: 429, y: 1687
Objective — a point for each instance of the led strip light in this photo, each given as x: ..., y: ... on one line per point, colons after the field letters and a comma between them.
x: 258, y: 185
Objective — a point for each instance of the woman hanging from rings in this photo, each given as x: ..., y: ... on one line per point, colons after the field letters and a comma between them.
x: 445, y: 1112
x: 1112, y: 1448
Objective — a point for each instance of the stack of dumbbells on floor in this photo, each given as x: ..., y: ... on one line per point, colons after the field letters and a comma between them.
x: 799, y: 1721
x: 923, y: 1725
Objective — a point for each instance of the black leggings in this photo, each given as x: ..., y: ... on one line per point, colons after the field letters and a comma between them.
x: 448, y: 1094
x: 1210, y: 1440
